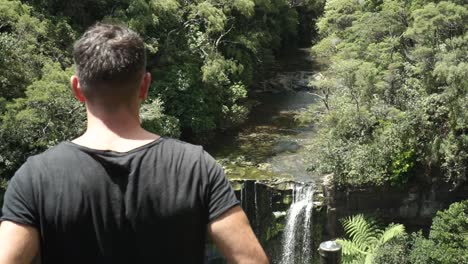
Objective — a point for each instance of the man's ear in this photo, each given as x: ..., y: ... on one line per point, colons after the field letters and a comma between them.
x: 75, y: 85
x: 144, y: 86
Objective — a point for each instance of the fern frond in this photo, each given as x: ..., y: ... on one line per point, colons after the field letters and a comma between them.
x: 362, y: 231
x: 359, y: 260
x: 365, y: 238
x: 369, y: 259
x: 350, y: 248
x: 391, y: 232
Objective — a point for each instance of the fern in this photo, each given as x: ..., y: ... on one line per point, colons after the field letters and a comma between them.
x: 392, y: 231
x: 350, y: 248
x: 363, y: 232
x: 365, y: 238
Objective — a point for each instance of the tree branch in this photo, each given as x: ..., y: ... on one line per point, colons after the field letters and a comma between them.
x: 223, y: 35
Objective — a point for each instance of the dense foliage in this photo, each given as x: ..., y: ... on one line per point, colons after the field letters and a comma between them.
x: 394, y: 92
x: 203, y: 55
x: 447, y: 242
x: 396, y: 251
x: 448, y: 238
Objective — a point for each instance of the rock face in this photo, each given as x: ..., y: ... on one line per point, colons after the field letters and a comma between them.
x: 414, y: 206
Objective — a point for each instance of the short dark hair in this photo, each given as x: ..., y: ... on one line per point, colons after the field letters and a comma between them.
x: 108, y: 57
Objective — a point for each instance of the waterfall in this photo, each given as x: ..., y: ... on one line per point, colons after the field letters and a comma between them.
x: 297, y: 241
x: 257, y: 220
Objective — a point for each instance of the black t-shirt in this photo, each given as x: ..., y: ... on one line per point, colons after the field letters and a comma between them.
x: 148, y: 205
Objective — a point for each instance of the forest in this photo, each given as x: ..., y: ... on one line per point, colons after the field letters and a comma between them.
x: 393, y: 91
x: 203, y: 56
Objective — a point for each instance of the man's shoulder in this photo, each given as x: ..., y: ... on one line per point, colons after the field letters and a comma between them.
x: 54, y: 155
x: 60, y: 150
x: 36, y: 164
x: 167, y: 145
x: 172, y: 148
x: 167, y: 148
x: 180, y: 145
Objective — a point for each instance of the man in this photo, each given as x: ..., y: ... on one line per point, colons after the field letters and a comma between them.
x: 118, y: 193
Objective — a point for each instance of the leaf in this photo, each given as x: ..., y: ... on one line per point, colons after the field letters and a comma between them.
x: 350, y: 248
x: 391, y: 232
x: 361, y: 231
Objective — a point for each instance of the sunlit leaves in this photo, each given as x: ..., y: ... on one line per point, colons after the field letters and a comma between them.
x: 213, y: 17
x: 437, y: 22
x: 154, y: 120
x: 47, y: 115
x: 409, y: 57
x: 448, y: 238
x: 245, y: 7
x: 366, y: 238
x: 217, y: 70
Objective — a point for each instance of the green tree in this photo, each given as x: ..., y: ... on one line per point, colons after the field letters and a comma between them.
x: 448, y: 238
x: 394, y: 92
x: 27, y: 40
x: 20, y: 62
x: 47, y: 115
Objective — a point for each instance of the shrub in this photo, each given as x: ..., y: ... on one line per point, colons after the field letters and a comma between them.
x: 448, y: 238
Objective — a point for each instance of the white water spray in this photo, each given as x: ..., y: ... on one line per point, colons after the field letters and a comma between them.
x: 297, y: 243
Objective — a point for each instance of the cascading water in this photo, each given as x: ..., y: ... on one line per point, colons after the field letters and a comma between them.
x: 297, y: 241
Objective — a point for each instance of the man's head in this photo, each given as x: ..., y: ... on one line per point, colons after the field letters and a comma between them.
x: 110, y: 64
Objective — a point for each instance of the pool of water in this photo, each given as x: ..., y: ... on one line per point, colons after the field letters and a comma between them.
x: 272, y: 143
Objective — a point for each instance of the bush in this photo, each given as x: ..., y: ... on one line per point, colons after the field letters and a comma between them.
x: 155, y: 121
x: 394, y: 252
x: 448, y: 238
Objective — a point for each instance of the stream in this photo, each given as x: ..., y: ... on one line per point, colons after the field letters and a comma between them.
x: 267, y: 162
x: 271, y: 144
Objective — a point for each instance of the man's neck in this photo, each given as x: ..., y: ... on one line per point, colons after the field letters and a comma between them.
x: 118, y: 132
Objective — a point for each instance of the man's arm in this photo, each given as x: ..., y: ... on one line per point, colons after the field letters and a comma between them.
x: 234, y: 237
x: 19, y: 244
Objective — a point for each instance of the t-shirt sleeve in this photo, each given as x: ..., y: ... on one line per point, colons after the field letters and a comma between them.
x: 19, y: 202
x: 221, y: 196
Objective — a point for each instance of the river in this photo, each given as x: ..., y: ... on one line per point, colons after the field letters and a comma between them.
x: 272, y: 144
x: 271, y: 147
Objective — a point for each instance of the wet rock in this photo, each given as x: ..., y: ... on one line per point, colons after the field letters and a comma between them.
x: 279, y: 214
x: 283, y: 146
x: 409, y: 210
x: 287, y: 81
x: 429, y: 208
x: 413, y: 205
x: 264, y: 166
x: 317, y: 76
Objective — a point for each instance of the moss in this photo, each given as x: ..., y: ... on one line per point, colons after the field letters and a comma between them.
x: 238, y: 172
x: 274, y: 230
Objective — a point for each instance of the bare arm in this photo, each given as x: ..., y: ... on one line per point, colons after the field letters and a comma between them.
x: 234, y: 237
x: 18, y: 243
